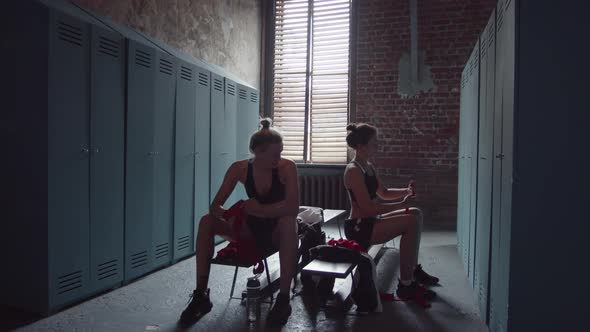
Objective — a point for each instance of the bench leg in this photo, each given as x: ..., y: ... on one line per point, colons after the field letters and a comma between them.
x: 233, y: 284
x: 272, y: 298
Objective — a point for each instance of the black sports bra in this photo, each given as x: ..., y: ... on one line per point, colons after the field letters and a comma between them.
x: 274, y: 195
x: 370, y: 181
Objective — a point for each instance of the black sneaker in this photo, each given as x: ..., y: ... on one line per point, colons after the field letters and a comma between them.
x: 280, y: 312
x: 199, y: 305
x: 410, y: 291
x: 423, y: 277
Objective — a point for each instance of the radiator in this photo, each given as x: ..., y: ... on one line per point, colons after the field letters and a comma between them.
x: 325, y: 191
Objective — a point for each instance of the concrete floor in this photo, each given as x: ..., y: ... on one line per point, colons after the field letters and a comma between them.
x: 155, y: 302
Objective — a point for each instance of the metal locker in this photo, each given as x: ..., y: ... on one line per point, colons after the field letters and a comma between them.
x: 68, y: 159
x: 231, y: 125
x: 501, y: 209
x: 219, y: 138
x: 140, y: 172
x: 507, y: 154
x: 164, y: 100
x: 184, y: 165
x: 485, y: 163
x: 107, y: 151
x: 202, y: 147
x: 461, y: 238
x: 253, y: 112
x: 472, y: 159
x: 243, y: 132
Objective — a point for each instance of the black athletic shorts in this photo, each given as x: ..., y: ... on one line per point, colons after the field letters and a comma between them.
x: 261, y: 229
x: 360, y: 230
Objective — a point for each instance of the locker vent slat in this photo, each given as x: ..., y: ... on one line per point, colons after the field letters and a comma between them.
x: 162, y: 250
x: 69, y: 282
x: 231, y: 89
x: 243, y: 94
x: 139, y: 259
x: 218, y: 85
x: 183, y: 242
x: 203, y: 79
x: 143, y: 59
x: 165, y: 67
x: 108, y: 47
x: 108, y: 269
x: 69, y: 33
x: 186, y: 73
x: 253, y: 97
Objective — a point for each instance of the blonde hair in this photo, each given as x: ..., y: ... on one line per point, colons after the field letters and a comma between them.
x: 265, y: 136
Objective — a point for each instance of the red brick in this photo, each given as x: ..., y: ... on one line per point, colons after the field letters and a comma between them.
x: 447, y: 32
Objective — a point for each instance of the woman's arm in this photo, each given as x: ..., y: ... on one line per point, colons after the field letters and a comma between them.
x: 390, y: 194
x: 355, y: 181
x: 227, y: 187
x: 287, y: 207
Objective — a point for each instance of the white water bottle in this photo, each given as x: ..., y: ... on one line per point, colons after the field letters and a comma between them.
x: 253, y: 298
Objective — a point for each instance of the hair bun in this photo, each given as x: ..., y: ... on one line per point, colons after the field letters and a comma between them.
x: 351, y: 127
x: 265, y: 123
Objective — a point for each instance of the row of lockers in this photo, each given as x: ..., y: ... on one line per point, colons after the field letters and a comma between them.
x: 522, y: 131
x: 485, y: 164
x: 129, y: 140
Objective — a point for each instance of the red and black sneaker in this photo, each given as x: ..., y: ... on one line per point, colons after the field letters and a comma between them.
x: 412, y: 290
x: 424, y: 278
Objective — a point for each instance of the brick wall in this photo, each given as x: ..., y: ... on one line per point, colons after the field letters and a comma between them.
x: 419, y: 130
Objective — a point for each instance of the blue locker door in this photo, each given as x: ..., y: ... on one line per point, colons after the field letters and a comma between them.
x: 164, y: 144
x: 472, y: 157
x: 253, y: 113
x: 139, y: 183
x: 184, y: 165
x: 507, y: 159
x: 243, y: 132
x: 496, y: 287
x: 107, y: 168
x: 481, y: 137
x: 202, y: 147
x: 68, y: 160
x: 231, y: 125
x: 461, y: 172
x: 219, y: 136
x: 485, y: 167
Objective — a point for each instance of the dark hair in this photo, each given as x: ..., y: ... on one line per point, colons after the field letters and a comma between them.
x: 265, y: 136
x: 359, y: 134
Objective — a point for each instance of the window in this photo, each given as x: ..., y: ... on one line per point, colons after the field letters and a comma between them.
x: 311, y: 67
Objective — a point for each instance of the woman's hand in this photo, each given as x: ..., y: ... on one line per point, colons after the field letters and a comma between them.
x: 251, y: 206
x: 217, y: 211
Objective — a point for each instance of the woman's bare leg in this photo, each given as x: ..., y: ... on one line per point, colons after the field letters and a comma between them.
x: 285, y: 235
x: 406, y: 225
x: 420, y: 221
x: 209, y: 226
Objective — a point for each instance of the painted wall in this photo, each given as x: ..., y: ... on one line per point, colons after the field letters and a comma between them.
x: 226, y: 33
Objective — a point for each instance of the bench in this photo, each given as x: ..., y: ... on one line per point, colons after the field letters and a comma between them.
x: 328, y: 215
x: 341, y: 271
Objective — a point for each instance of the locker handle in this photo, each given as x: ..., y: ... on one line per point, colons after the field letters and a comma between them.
x: 96, y: 150
x: 483, y: 158
x: 224, y: 153
x: 500, y: 156
x: 85, y: 150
